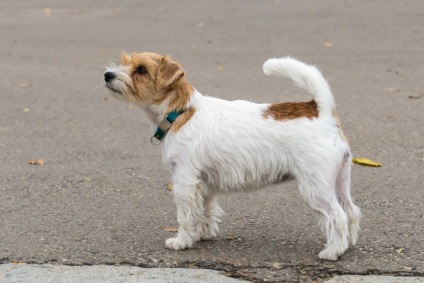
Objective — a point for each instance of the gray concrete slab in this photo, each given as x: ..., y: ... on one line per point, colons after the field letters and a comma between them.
x: 374, y: 279
x: 12, y: 273
x: 45, y: 273
x: 100, y: 197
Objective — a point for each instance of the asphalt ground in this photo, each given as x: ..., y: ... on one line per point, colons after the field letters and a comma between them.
x: 100, y: 197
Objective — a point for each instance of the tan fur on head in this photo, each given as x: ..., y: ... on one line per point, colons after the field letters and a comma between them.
x: 125, y: 59
x: 168, y: 73
x: 171, y: 85
x: 150, y: 79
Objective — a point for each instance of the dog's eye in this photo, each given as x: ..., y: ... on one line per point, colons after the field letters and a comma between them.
x: 141, y: 70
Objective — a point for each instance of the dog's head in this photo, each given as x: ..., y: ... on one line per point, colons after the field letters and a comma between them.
x: 148, y: 79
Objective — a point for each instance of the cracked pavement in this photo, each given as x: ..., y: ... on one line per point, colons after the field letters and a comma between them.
x: 100, y: 197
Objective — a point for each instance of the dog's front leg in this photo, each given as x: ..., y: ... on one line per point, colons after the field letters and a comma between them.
x: 190, y: 215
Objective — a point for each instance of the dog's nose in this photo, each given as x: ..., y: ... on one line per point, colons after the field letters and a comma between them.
x: 109, y: 76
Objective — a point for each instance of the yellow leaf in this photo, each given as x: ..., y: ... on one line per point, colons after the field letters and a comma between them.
x: 169, y: 186
x: 365, y: 161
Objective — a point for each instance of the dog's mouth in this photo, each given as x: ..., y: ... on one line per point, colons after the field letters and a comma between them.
x: 111, y: 87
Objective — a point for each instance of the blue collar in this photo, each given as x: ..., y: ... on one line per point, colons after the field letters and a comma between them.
x: 164, y: 127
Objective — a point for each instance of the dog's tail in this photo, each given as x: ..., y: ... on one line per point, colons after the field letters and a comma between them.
x: 304, y: 76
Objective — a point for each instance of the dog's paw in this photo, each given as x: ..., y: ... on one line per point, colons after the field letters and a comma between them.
x: 176, y: 244
x: 208, y: 236
x: 328, y: 254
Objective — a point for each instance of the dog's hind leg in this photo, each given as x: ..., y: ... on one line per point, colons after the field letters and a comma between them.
x: 321, y: 197
x: 213, y: 214
x: 190, y: 200
x: 344, y: 196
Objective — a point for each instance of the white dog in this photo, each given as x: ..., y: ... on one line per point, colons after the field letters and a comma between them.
x: 214, y: 146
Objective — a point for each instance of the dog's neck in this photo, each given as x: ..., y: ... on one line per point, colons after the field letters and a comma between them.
x: 178, y: 99
x: 156, y: 113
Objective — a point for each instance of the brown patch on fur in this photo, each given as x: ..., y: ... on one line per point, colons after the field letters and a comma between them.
x: 292, y: 110
x: 339, y: 125
x: 182, y: 119
x: 180, y: 96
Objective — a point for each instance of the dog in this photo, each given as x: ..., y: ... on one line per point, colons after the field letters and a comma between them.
x: 214, y: 146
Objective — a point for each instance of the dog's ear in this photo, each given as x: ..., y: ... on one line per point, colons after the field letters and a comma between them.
x: 168, y: 73
x: 125, y: 59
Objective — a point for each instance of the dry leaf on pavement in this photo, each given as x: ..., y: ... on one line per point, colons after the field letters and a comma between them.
x: 414, y: 96
x: 36, y: 162
x: 392, y: 89
x: 170, y: 229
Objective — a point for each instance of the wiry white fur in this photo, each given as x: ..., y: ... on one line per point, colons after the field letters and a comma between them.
x: 230, y: 146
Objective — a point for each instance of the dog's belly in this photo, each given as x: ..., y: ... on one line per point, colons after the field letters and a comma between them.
x: 241, y: 180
